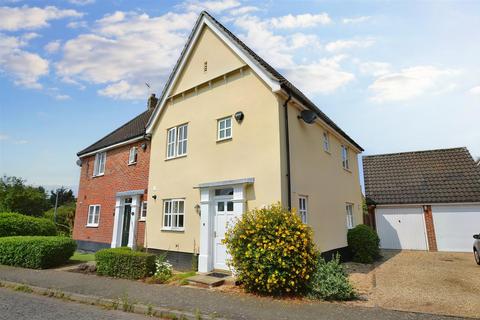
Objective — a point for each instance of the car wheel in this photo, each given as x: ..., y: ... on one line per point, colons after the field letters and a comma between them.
x: 477, y: 256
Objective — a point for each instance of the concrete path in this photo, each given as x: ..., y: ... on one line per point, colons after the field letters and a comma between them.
x: 18, y: 305
x: 220, y: 304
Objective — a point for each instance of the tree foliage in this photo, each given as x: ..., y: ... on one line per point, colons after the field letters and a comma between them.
x: 65, y: 196
x: 65, y: 218
x: 15, y: 196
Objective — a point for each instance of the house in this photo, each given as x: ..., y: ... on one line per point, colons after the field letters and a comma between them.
x: 112, y: 195
x: 230, y: 134
x: 424, y: 200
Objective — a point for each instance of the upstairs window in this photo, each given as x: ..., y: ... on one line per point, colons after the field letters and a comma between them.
x: 143, y: 211
x: 99, y: 166
x: 224, y: 128
x: 326, y: 141
x: 173, y: 214
x: 303, y: 208
x: 345, y: 162
x: 132, y: 158
x: 93, y: 215
x: 349, y: 210
x: 177, y: 141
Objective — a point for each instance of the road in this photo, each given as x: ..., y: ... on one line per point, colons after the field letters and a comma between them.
x: 18, y: 306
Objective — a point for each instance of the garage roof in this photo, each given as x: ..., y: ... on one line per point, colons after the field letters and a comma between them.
x: 432, y: 176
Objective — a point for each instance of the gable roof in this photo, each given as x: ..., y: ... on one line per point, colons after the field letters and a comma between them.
x: 423, y: 177
x: 272, y: 77
x: 134, y: 128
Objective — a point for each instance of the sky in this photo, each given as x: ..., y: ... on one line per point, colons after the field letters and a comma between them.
x: 395, y: 75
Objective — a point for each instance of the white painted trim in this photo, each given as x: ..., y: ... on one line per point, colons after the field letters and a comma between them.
x: 118, y: 220
x: 205, y: 20
x: 113, y: 146
x: 425, y: 204
x: 93, y: 225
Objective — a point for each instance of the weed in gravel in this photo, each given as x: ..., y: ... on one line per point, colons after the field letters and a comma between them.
x: 23, y: 288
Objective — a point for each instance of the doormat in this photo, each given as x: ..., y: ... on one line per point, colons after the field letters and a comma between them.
x: 217, y: 275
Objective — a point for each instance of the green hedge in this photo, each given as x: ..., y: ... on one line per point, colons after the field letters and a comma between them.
x: 36, y: 252
x: 125, y: 263
x: 364, y: 243
x: 15, y: 224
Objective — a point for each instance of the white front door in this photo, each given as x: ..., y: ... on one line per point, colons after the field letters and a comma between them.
x: 223, y: 219
x: 401, y: 228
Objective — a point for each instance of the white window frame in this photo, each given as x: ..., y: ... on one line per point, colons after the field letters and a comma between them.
x: 93, y: 216
x: 303, y: 208
x: 99, y: 164
x: 132, y: 156
x: 143, y: 211
x: 326, y: 141
x: 177, y: 139
x: 169, y: 218
x: 349, y: 215
x: 345, y: 161
x: 224, y: 129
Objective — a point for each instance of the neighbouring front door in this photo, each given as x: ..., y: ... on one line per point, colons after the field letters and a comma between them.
x: 224, y: 215
x: 127, y: 212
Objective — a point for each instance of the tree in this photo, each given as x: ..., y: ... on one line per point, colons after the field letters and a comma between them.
x: 15, y: 196
x: 65, y: 218
x: 64, y: 196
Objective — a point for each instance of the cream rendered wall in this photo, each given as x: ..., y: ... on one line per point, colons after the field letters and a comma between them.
x: 220, y: 60
x: 254, y: 150
x: 320, y: 176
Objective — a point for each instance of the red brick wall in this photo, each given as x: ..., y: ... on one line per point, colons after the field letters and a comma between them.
x: 119, y: 176
x: 432, y: 240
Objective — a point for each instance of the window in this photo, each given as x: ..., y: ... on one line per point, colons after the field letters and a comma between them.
x: 99, y: 166
x: 302, y: 208
x: 345, y: 163
x: 224, y: 128
x: 132, y: 158
x: 173, y: 216
x: 326, y: 141
x: 224, y: 192
x: 349, y: 208
x: 177, y: 141
x: 143, y: 211
x: 93, y: 215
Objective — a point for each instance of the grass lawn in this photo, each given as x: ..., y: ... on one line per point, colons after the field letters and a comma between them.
x: 180, y: 277
x: 82, y: 257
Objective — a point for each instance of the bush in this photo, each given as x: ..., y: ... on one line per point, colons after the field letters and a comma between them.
x: 272, y: 251
x: 65, y: 218
x: 163, y: 269
x: 15, y: 224
x: 36, y: 252
x: 330, y: 281
x: 125, y: 263
x: 363, y: 242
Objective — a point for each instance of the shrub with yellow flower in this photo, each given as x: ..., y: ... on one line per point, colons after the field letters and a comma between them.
x: 272, y: 251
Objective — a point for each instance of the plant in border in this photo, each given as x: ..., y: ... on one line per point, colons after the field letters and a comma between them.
x: 16, y: 224
x: 330, y: 281
x: 272, y: 251
x: 164, y: 269
x: 364, y: 243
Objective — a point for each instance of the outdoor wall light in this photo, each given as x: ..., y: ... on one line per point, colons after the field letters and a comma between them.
x: 239, y: 116
x: 154, y: 197
x: 197, y: 209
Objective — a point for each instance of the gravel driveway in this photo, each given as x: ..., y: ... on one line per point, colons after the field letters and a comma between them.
x: 433, y: 282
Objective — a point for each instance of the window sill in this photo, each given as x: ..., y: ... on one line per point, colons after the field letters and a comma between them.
x: 347, y: 170
x: 177, y: 157
x: 98, y: 175
x: 91, y: 226
x: 224, y: 140
x: 142, y: 220
x: 327, y: 152
x: 132, y: 164
x: 173, y: 229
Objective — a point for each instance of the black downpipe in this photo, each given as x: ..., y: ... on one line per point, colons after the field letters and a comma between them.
x: 287, y: 142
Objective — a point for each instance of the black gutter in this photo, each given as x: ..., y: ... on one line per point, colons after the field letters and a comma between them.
x: 287, y: 142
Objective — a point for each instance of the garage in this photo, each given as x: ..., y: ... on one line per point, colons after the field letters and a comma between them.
x: 401, y: 228
x: 455, y: 226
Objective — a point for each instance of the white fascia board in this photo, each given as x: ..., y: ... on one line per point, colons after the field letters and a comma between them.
x: 113, y: 146
x: 322, y: 123
x: 427, y: 204
x: 272, y: 83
